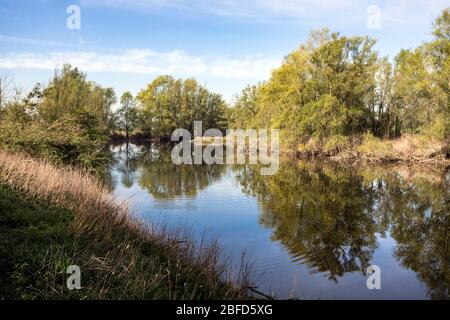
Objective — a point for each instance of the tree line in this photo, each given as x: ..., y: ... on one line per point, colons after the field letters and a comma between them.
x: 335, y: 86
x: 329, y: 90
x: 71, y: 119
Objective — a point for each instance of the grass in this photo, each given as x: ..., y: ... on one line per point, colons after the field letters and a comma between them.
x: 414, y: 149
x: 52, y: 217
x: 409, y: 149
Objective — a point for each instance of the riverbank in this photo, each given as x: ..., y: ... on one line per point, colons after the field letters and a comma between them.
x: 54, y: 216
x: 408, y: 150
x: 365, y: 149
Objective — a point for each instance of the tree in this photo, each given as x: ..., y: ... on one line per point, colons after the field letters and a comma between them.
x: 330, y: 73
x: 335, y: 86
x: 384, y: 121
x: 442, y: 25
x: 439, y: 50
x: 167, y: 104
x: 70, y: 93
x: 66, y: 121
x: 127, y: 113
x: 245, y: 108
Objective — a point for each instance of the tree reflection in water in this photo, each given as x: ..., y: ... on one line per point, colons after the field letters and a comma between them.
x: 327, y: 217
x: 323, y: 217
x: 159, y: 175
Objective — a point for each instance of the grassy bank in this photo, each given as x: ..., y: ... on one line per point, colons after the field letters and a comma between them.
x: 364, y: 149
x: 52, y: 217
x: 409, y: 149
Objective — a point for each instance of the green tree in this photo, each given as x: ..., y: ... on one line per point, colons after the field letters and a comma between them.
x: 245, y: 108
x: 70, y: 93
x: 320, y: 90
x: 168, y: 104
x: 127, y: 114
x: 67, y: 121
x: 421, y: 94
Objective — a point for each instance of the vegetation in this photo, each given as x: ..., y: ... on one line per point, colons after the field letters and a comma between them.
x: 67, y: 121
x: 167, y: 104
x: 325, y: 98
x: 334, y: 88
x: 333, y: 96
x: 52, y: 217
x: 126, y: 117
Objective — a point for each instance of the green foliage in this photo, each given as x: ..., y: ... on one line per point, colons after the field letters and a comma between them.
x: 241, y: 115
x: 420, y: 100
x: 319, y: 91
x: 439, y: 129
x: 442, y: 25
x: 168, y: 104
x: 337, y: 86
x: 72, y: 139
x: 69, y: 92
x: 68, y: 121
x: 336, y: 144
x: 422, y: 83
x: 126, y: 117
x: 374, y: 147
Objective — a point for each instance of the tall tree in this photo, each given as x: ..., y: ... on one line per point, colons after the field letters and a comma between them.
x: 127, y: 113
x: 167, y: 104
x: 69, y: 93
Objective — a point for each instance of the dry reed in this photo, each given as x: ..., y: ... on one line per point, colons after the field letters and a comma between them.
x: 124, y: 258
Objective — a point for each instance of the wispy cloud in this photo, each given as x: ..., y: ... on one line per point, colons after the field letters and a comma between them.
x: 396, y: 11
x: 146, y: 61
x: 233, y: 8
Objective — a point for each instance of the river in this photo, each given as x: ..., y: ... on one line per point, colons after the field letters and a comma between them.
x: 311, y: 230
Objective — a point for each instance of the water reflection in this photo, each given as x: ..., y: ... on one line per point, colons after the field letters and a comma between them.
x: 162, y: 178
x: 328, y: 218
x: 323, y: 216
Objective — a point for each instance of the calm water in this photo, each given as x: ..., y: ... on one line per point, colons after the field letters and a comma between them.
x: 312, y: 229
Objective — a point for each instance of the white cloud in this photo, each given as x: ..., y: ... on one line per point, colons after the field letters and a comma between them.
x: 145, y: 61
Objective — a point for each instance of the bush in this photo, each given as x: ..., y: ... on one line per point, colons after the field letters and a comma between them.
x: 439, y: 129
x: 336, y: 144
x: 375, y: 147
x: 72, y: 139
x: 312, y: 146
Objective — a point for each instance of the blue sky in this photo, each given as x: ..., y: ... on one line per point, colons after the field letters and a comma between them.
x: 224, y: 44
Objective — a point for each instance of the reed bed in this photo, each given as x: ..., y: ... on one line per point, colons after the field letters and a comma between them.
x: 119, y: 257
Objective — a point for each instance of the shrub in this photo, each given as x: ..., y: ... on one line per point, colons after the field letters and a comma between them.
x: 72, y: 139
x: 439, y: 129
x: 312, y: 146
x: 375, y: 147
x: 336, y: 144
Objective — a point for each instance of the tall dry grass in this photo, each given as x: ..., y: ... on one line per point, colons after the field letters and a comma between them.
x: 409, y: 149
x: 121, y: 257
